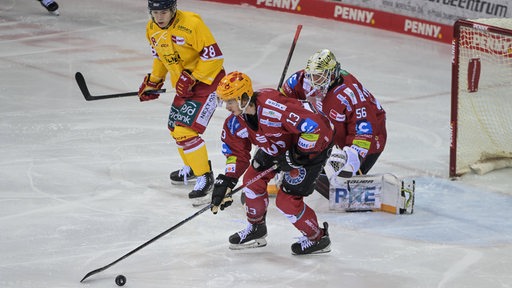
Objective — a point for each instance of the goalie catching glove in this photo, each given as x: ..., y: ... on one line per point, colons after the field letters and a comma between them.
x: 147, y: 86
x: 223, y: 185
x: 342, y: 163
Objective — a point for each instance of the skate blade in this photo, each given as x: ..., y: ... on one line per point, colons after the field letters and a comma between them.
x: 201, y: 201
x: 189, y: 182
x: 256, y: 243
x: 55, y: 13
x: 322, y: 251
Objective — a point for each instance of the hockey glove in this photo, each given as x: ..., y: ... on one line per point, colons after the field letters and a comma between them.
x: 288, y: 161
x: 352, y: 162
x: 223, y: 185
x: 185, y: 84
x: 262, y: 161
x: 148, y: 86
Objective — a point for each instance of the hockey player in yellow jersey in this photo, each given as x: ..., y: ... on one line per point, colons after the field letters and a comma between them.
x: 183, y: 46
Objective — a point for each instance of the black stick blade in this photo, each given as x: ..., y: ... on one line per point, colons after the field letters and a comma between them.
x: 93, y: 272
x: 83, y: 86
x: 80, y: 80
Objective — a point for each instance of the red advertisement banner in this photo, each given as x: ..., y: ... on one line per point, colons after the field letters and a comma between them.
x: 356, y: 15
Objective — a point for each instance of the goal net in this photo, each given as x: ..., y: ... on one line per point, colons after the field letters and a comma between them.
x: 481, y: 104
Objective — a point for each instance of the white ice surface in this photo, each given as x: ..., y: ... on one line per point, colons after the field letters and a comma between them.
x: 83, y: 183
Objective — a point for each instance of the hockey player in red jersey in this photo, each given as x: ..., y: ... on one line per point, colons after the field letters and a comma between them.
x: 287, y: 132
x: 359, y: 119
x: 183, y: 46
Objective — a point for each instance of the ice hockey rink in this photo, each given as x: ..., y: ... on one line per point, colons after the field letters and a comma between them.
x: 83, y: 183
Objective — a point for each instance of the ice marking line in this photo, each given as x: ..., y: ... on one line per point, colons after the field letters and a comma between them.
x: 458, y: 268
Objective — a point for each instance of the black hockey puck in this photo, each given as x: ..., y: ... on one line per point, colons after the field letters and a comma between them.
x: 120, y: 280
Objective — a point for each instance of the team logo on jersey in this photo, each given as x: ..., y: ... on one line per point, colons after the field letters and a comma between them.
x: 270, y: 123
x: 233, y: 125
x: 184, y: 29
x: 178, y: 40
x: 230, y: 168
x: 226, y: 150
x: 363, y: 128
x: 243, y: 133
x: 361, y: 146
x: 295, y: 176
x: 307, y: 144
x: 271, y: 113
x: 172, y: 58
x: 307, y: 125
x: 344, y: 102
x: 338, y: 117
x: 275, y: 104
x: 207, y: 110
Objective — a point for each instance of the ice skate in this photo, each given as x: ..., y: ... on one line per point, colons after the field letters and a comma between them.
x: 252, y: 236
x: 305, y: 246
x: 202, y: 189
x: 51, y: 6
x: 183, y: 176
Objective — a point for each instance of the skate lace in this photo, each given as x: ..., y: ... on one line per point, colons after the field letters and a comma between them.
x: 184, y: 172
x: 243, y: 234
x: 201, y: 182
x: 47, y: 2
x: 305, y: 242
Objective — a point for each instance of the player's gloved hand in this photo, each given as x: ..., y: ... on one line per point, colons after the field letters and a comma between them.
x: 223, y: 185
x: 262, y: 161
x: 288, y: 161
x: 146, y: 86
x: 185, y: 84
x: 352, y: 162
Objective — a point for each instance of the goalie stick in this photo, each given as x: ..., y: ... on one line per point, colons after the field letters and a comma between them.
x: 201, y: 211
x: 80, y: 80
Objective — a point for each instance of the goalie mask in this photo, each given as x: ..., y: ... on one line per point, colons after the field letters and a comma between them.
x: 321, y: 70
x: 236, y: 86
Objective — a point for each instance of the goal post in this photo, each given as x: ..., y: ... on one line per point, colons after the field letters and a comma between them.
x: 481, y: 96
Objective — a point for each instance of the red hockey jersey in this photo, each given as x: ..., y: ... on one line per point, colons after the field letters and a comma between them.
x: 359, y: 119
x: 280, y: 123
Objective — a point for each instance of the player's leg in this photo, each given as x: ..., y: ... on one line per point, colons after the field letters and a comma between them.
x: 296, y: 185
x: 256, y: 209
x: 195, y: 155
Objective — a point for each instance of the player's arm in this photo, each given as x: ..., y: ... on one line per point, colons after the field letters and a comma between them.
x: 292, y: 87
x: 211, y: 59
x: 314, y: 136
x: 236, y: 146
x: 155, y: 79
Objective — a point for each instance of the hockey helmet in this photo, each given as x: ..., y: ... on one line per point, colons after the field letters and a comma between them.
x: 321, y: 69
x: 234, y: 86
x: 162, y: 5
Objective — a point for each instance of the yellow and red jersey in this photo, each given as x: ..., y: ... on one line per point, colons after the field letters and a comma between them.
x: 187, y: 44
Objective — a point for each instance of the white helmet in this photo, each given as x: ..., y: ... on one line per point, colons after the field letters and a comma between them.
x: 322, y: 69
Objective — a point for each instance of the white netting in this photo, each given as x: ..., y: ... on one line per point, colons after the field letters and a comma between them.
x: 484, y: 96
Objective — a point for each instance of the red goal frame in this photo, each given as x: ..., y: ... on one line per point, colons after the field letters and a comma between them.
x: 455, y: 76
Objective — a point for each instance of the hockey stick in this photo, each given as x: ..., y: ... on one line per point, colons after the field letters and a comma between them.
x: 87, y: 95
x: 201, y: 211
x: 297, y: 33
